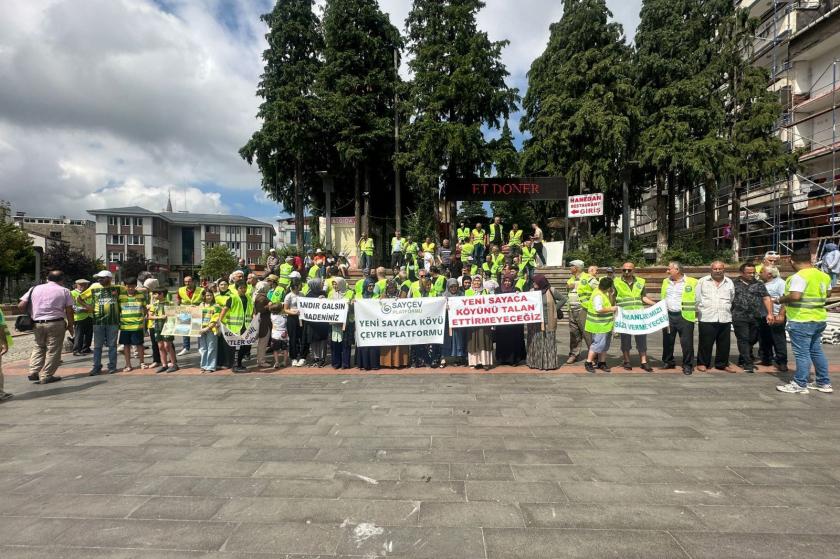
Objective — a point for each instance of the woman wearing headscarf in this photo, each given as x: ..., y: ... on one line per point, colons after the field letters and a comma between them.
x: 316, y: 334
x: 425, y: 355
x: 479, y: 340
x: 341, y: 335
x: 367, y: 358
x: 397, y: 356
x: 453, y: 351
x: 542, y: 342
x: 510, y: 338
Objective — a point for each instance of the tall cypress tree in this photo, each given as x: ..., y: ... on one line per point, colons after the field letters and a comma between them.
x: 506, y: 163
x: 288, y: 146
x: 458, y: 86
x: 357, y: 84
x: 579, y: 107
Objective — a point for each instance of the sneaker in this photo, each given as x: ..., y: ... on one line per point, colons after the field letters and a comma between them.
x: 687, y: 371
x: 239, y: 369
x: 824, y: 388
x: 34, y: 377
x: 172, y: 369
x: 571, y: 360
x: 111, y: 371
x: 792, y: 388
x: 603, y: 366
x: 161, y: 369
x: 783, y: 368
x: 50, y: 380
x: 94, y: 372
x: 590, y: 367
x: 647, y: 368
x: 182, y: 352
x: 5, y: 396
x: 120, y: 348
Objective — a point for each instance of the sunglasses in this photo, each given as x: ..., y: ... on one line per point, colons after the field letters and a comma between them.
x: 626, y: 271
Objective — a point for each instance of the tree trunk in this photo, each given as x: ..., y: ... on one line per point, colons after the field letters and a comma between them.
x: 710, y: 220
x: 299, y: 208
x: 661, y: 217
x: 672, y: 206
x: 357, y: 203
x: 367, y: 199
x: 736, y: 222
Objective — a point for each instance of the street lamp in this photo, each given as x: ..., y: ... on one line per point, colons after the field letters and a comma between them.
x: 327, y: 181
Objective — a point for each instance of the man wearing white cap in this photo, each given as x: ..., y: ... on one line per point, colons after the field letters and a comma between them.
x: 771, y: 258
x: 104, y: 306
x: 579, y: 291
x: 272, y: 262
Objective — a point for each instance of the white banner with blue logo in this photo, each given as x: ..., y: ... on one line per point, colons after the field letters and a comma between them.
x: 392, y: 322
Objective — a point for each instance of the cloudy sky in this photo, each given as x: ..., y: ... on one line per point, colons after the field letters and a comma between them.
x: 109, y: 103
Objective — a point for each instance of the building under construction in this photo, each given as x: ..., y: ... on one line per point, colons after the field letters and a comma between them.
x: 798, y: 42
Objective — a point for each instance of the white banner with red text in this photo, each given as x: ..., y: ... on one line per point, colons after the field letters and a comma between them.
x: 502, y: 309
x: 392, y: 322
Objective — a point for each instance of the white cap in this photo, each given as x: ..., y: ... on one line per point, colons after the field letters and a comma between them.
x: 294, y: 275
x: 103, y: 274
x: 578, y: 263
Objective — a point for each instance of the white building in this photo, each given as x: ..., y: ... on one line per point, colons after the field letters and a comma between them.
x: 175, y: 242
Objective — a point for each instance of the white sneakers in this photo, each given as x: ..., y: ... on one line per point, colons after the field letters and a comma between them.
x: 298, y: 362
x: 793, y: 388
x: 826, y: 388
x: 184, y: 351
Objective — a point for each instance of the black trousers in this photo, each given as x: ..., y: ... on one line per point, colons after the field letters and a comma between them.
x: 296, y: 342
x: 155, y: 348
x: 746, y: 335
x: 84, y: 335
x: 678, y: 326
x: 772, y: 343
x: 714, y: 334
x: 225, y: 354
x: 396, y: 260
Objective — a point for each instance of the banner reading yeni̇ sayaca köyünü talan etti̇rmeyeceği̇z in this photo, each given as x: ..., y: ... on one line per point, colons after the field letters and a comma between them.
x: 392, y: 322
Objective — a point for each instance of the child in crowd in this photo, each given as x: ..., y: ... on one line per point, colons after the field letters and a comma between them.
x: 132, y: 314
x: 208, y: 342
x: 279, y: 337
x: 157, y: 313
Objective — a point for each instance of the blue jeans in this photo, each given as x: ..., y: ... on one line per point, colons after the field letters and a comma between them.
x: 186, y: 343
x: 207, y: 346
x: 478, y: 254
x: 105, y: 334
x: 807, y: 348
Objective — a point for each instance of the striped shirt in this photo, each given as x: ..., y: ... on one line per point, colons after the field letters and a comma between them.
x: 132, y: 311
x: 106, y: 303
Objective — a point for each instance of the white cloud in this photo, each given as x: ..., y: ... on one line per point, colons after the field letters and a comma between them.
x: 114, y: 102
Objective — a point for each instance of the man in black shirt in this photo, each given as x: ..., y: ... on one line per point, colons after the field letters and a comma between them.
x: 750, y: 295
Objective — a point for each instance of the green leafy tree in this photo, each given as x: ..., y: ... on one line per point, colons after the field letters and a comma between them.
x: 458, y: 87
x: 218, y: 262
x: 16, y: 252
x: 357, y: 83
x: 579, y: 109
x: 74, y: 263
x: 288, y: 147
x: 506, y: 164
x: 673, y: 96
x: 472, y: 211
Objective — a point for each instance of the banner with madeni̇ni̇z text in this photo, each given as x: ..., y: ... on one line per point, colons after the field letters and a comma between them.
x: 502, y: 309
x: 391, y: 322
x: 323, y: 310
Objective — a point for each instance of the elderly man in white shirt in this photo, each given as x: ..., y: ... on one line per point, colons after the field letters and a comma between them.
x: 715, y: 294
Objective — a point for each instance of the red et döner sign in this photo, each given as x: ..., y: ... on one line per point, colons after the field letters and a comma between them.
x: 521, y: 188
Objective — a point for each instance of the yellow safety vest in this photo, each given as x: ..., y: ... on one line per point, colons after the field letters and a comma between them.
x: 284, y: 270
x: 492, y: 235
x: 629, y: 297
x: 515, y: 237
x: 428, y: 247
x: 478, y: 236
x: 498, y: 262
x: 689, y: 297
x: 197, y: 296
x: 811, y: 307
x: 237, y: 315
x: 584, y: 289
x: 367, y: 246
x: 466, y: 251
x: 79, y: 313
x: 463, y: 234
x: 599, y: 323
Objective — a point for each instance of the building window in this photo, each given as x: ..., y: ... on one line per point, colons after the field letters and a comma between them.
x: 115, y: 257
x: 233, y: 229
x: 233, y: 245
x: 55, y: 235
x: 125, y: 222
x: 112, y: 220
x: 214, y: 229
x: 136, y: 239
x: 254, y: 246
x: 255, y: 231
x: 117, y: 239
x: 211, y: 244
x: 138, y: 222
x: 253, y: 260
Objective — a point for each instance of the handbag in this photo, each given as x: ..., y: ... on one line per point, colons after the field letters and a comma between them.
x: 560, y: 301
x: 24, y: 322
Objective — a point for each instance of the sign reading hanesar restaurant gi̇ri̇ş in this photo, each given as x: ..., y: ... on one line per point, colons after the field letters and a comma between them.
x: 498, y: 189
x: 502, y: 309
x: 586, y: 205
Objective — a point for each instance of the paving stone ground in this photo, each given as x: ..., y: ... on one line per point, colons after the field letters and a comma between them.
x: 434, y: 465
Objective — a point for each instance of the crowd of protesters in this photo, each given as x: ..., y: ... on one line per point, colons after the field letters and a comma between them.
x: 101, y: 316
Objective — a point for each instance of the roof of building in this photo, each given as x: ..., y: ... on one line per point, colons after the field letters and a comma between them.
x: 185, y: 218
x: 212, y: 219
